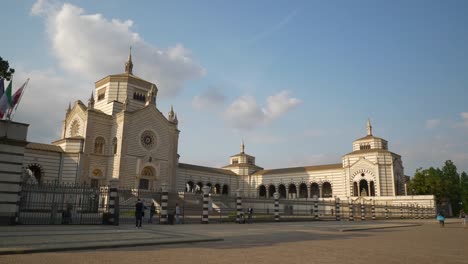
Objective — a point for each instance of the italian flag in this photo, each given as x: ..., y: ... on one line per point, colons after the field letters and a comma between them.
x: 6, y: 101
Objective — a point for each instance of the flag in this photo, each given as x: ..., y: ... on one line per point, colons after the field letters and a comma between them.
x: 17, y: 95
x: 5, y: 101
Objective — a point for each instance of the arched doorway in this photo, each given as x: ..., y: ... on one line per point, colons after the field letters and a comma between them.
x: 363, y: 188
x: 292, y: 191
x: 271, y: 190
x: 198, y: 188
x: 282, y: 191
x: 303, y: 190
x: 314, y: 190
x: 189, y: 187
x: 217, y: 189
x: 326, y: 190
x: 262, y: 191
x: 225, y: 190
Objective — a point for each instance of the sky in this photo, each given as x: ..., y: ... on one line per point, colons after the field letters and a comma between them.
x: 296, y: 80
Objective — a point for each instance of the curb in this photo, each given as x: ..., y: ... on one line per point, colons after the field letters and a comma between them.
x: 377, y: 227
x: 58, y: 249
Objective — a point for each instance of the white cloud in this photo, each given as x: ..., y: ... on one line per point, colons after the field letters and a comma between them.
x: 211, y: 98
x: 245, y: 113
x: 432, y: 123
x: 464, y: 116
x: 91, y: 46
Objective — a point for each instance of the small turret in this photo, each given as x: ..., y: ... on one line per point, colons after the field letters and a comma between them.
x: 369, y: 127
x: 129, y: 63
x: 176, y: 121
x: 170, y: 115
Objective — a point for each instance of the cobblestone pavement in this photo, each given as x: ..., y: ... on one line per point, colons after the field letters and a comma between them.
x: 286, y: 243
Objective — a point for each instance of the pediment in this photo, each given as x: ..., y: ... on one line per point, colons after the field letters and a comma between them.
x: 362, y: 162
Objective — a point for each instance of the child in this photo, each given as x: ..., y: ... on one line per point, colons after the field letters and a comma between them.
x: 441, y: 219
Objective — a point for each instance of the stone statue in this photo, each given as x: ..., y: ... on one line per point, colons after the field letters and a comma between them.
x: 363, y: 192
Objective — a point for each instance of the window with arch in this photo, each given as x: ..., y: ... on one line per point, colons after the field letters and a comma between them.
x: 225, y: 190
x: 326, y: 190
x: 147, y: 171
x: 114, y: 145
x: 303, y: 190
x: 262, y: 191
x: 365, y: 146
x: 35, y: 172
x: 99, y: 143
x: 271, y: 190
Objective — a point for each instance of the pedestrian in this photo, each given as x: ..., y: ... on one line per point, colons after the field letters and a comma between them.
x: 151, y: 213
x: 250, y: 213
x: 441, y: 219
x: 466, y: 220
x: 139, y: 211
x: 463, y: 217
x: 177, y: 213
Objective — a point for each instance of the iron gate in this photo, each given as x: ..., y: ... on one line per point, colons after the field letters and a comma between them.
x: 58, y: 203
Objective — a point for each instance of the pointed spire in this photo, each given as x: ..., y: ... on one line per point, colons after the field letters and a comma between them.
x: 176, y: 121
x: 69, y: 108
x: 91, y: 101
x: 242, y: 146
x: 369, y: 127
x: 170, y: 116
x: 129, y: 63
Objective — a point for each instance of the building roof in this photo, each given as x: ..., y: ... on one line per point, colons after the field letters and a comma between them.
x: 301, y: 169
x: 206, y: 169
x: 242, y: 154
x: 364, y: 151
x: 369, y: 137
x: 125, y: 77
x: 45, y: 147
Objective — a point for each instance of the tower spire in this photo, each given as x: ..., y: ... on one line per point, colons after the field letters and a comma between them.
x: 242, y: 146
x: 369, y: 127
x: 129, y: 63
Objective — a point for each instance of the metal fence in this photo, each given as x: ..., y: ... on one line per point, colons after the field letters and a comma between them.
x: 55, y: 203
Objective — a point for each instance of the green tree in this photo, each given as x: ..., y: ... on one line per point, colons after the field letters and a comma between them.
x: 464, y: 190
x: 5, y: 71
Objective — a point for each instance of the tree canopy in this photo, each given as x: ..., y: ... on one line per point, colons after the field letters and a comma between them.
x: 5, y: 71
x: 445, y: 184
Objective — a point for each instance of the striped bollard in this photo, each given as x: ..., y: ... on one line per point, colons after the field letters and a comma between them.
x: 164, y: 201
x: 417, y: 212
x: 373, y: 209
x: 113, y: 203
x: 277, y: 216
x: 238, y: 206
x: 363, y: 215
x: 316, y: 213
x: 411, y: 211
x: 351, y: 210
x: 337, y: 209
x: 386, y: 211
x: 206, y: 201
x: 401, y: 211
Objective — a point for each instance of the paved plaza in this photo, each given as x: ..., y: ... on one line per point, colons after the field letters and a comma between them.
x: 294, y: 242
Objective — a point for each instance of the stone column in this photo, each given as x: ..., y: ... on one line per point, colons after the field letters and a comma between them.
x: 337, y: 209
x: 287, y: 192
x: 363, y: 215
x: 267, y: 193
x: 164, y: 202
x: 320, y: 191
x: 351, y: 209
x: 277, y: 216
x: 368, y: 188
x: 206, y: 200
x: 316, y: 212
x: 113, y: 202
x: 309, y: 191
x: 373, y: 209
x: 12, y: 143
x: 238, y: 206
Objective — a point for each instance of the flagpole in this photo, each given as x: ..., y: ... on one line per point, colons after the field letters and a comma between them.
x: 19, y: 100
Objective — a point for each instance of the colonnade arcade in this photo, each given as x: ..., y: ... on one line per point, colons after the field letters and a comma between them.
x: 292, y: 191
x: 193, y: 187
x: 366, y: 188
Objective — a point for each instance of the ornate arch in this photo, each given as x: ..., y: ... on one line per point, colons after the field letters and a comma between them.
x: 35, y: 173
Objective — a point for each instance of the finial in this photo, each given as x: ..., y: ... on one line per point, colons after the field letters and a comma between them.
x: 176, y: 121
x: 69, y: 107
x: 242, y: 146
x: 129, y: 63
x: 91, y: 101
x: 171, y: 114
x: 369, y: 127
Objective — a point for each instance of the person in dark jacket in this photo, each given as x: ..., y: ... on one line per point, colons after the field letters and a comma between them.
x: 139, y: 209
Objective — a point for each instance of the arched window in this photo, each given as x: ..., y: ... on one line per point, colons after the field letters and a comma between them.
x: 303, y: 190
x: 271, y: 190
x: 282, y: 191
x: 147, y: 171
x: 198, y: 188
x: 363, y: 188
x: 314, y: 190
x: 114, y: 144
x: 217, y: 189
x: 225, y: 190
x: 35, y: 173
x: 262, y: 191
x: 211, y: 187
x: 99, y: 143
x: 292, y: 191
x: 326, y: 190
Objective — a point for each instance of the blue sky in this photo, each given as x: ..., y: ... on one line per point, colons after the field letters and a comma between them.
x: 296, y: 79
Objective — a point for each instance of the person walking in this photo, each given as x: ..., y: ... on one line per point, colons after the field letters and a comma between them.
x: 139, y: 211
x: 463, y: 217
x: 250, y: 213
x: 441, y: 219
x: 151, y: 213
x: 177, y: 213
